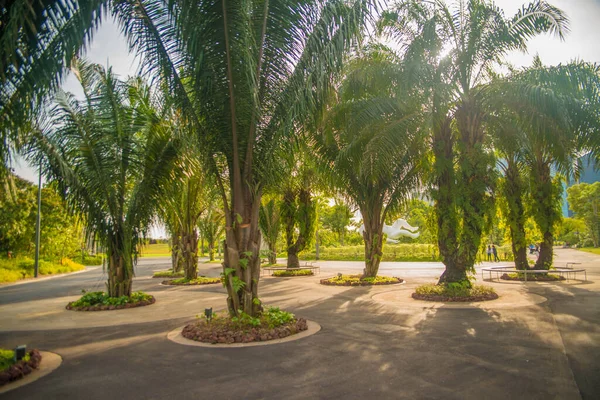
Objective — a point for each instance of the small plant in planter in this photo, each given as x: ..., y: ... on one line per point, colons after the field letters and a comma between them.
x: 272, y: 323
x: 11, y: 370
x: 100, y: 301
x: 359, y: 280
x: 457, y: 291
x: 201, y: 280
x: 293, y: 272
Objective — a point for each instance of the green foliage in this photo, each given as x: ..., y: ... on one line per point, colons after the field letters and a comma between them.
x: 237, y: 283
x: 358, y: 280
x: 391, y: 252
x: 201, y: 280
x: 293, y: 272
x: 337, y: 218
x: 61, y: 235
x: 572, y: 231
x: 90, y: 299
x: 275, y: 317
x: 455, y: 290
x: 14, y: 269
x: 270, y: 317
x: 584, y: 200
x: 7, y: 358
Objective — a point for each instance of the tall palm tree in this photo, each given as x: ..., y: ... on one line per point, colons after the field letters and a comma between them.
x: 212, y: 225
x: 455, y: 48
x: 555, y: 110
x: 371, y: 143
x: 111, y: 155
x: 244, y: 73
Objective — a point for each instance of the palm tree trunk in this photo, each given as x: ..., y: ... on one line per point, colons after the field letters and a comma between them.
x: 445, y: 207
x: 119, y: 279
x: 175, y: 253
x: 513, y: 192
x: 272, y: 255
x: 546, y: 197
x: 189, y: 250
x: 373, y: 237
x: 241, y: 255
x: 304, y: 217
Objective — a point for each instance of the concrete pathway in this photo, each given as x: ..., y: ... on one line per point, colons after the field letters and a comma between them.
x: 538, y: 341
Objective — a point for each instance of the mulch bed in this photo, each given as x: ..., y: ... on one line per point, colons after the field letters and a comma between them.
x: 21, y: 368
x: 170, y: 282
x: 436, y: 297
x: 168, y: 276
x: 328, y: 282
x: 102, y: 307
x: 534, y: 278
x: 203, y: 332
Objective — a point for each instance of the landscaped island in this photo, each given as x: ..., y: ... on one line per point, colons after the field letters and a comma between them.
x: 11, y: 370
x: 100, y: 301
x: 271, y: 324
x: 454, y: 292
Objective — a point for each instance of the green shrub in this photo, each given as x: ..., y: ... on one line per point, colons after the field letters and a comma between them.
x: 201, y: 280
x: 293, y: 272
x: 455, y: 290
x: 7, y: 358
x: 90, y: 299
x: 271, y: 317
x: 358, y: 280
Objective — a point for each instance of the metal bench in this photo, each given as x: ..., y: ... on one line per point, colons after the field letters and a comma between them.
x: 561, y: 271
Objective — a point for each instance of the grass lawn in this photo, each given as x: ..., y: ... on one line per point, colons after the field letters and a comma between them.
x: 594, y: 250
x: 156, y: 250
x: 21, y: 268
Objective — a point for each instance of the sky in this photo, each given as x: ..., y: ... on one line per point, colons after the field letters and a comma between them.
x: 109, y: 48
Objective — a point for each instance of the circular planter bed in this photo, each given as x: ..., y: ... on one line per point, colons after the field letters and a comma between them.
x: 18, y: 370
x: 458, y: 293
x: 292, y: 272
x: 99, y: 301
x: 201, y: 280
x: 532, y: 277
x: 356, y: 280
x: 271, y: 324
x: 168, y: 274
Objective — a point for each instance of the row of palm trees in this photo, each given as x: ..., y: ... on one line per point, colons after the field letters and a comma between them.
x: 240, y: 83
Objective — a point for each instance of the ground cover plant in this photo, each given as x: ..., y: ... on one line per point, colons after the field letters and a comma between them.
x: 455, y: 291
x: 201, y: 280
x: 293, y: 272
x: 532, y: 277
x: 168, y: 274
x: 100, y: 301
x: 11, y: 371
x: 271, y: 323
x: 12, y: 270
x: 359, y: 280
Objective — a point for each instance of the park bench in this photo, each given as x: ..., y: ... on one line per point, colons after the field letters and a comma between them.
x: 567, y: 271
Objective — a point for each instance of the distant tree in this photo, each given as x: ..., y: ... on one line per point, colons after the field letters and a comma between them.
x: 337, y: 218
x: 584, y: 200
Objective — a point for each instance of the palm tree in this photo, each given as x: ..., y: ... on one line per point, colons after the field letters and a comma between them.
x: 212, y: 225
x: 269, y: 219
x: 110, y: 155
x: 187, y: 197
x: 555, y: 110
x: 371, y: 143
x: 476, y: 36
